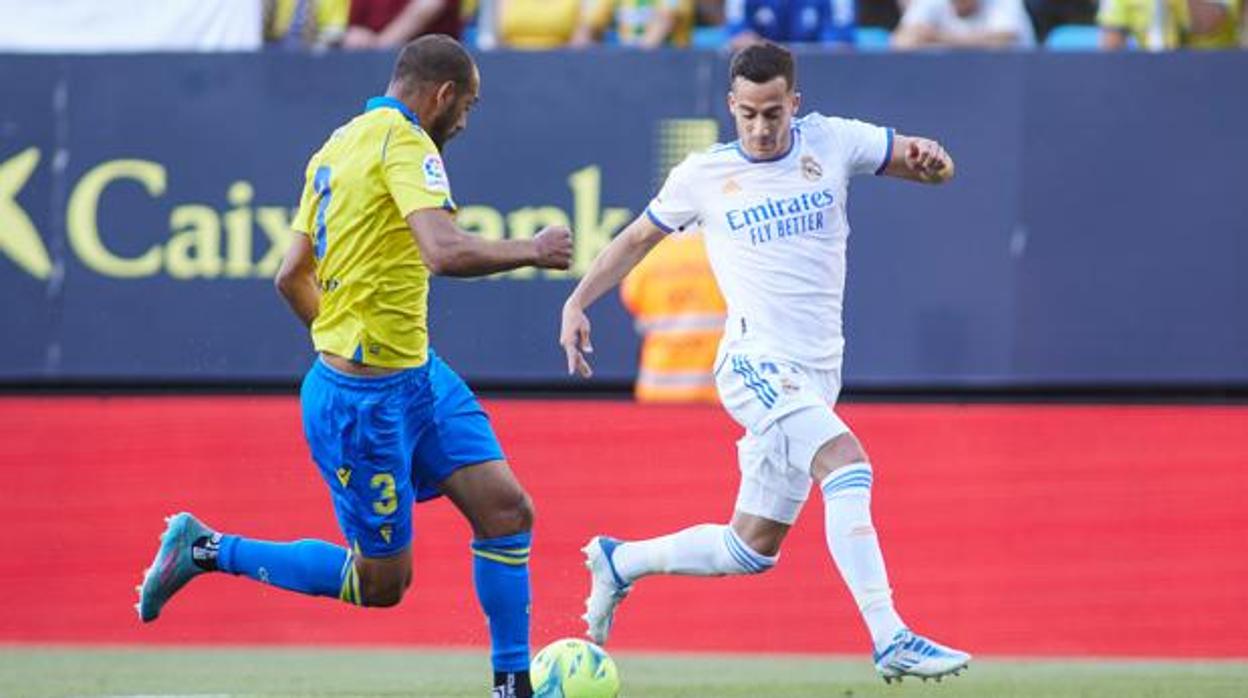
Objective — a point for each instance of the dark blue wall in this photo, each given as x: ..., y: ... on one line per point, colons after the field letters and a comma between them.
x: 1094, y: 235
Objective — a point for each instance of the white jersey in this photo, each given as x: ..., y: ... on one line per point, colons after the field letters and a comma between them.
x: 776, y: 231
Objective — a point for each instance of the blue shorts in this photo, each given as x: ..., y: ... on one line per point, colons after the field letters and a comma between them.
x: 383, y: 443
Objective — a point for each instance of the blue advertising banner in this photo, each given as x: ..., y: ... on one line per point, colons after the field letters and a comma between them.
x: 1094, y: 234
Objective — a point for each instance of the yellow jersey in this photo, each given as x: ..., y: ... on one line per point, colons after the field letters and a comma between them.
x: 1136, y: 18
x: 633, y: 16
x: 1226, y: 34
x: 538, y: 24
x: 360, y: 187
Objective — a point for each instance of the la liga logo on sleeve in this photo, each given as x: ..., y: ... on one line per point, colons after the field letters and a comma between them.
x: 435, y: 174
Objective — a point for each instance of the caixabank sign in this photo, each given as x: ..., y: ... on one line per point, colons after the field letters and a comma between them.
x: 145, y: 204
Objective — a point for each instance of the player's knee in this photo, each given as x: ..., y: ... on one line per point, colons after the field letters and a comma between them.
x: 762, y: 543
x: 519, y: 517
x: 513, y: 515
x: 839, y: 452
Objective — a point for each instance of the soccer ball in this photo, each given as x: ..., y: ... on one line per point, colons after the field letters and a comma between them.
x: 572, y: 668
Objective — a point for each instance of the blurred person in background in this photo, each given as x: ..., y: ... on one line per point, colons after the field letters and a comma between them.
x: 879, y: 13
x: 300, y: 24
x: 1047, y: 14
x: 678, y: 309
x: 828, y: 22
x: 1216, y: 24
x: 1159, y: 26
x: 646, y: 24
x: 1154, y: 25
x: 376, y: 24
x: 983, y: 24
x: 137, y: 26
x: 709, y: 13
x: 528, y: 24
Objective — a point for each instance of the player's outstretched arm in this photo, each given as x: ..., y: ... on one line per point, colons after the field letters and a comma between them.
x: 919, y: 160
x: 296, y: 280
x: 449, y: 251
x: 608, y: 269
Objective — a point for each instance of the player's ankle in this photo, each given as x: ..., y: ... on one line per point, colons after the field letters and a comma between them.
x: 512, y: 684
x: 205, y: 552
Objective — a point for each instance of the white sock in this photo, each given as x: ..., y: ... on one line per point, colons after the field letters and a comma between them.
x: 856, y: 549
x: 707, y: 550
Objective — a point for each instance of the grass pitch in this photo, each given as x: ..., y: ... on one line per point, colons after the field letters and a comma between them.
x: 27, y: 672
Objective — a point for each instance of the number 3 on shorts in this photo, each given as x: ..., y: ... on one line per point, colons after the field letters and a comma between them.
x: 387, y: 498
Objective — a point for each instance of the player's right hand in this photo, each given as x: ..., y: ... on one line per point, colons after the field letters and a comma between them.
x: 554, y: 247
x: 574, y: 338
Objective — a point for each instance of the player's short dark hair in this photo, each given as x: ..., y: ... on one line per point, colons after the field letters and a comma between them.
x: 763, y: 62
x: 433, y: 59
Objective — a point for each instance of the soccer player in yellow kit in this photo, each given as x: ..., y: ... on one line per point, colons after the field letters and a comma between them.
x: 388, y: 423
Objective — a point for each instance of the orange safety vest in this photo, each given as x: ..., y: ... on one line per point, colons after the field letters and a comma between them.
x: 677, y: 307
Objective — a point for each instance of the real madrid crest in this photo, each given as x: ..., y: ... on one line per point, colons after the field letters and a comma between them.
x: 811, y: 169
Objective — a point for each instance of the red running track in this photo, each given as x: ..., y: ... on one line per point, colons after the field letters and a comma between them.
x: 1022, y: 530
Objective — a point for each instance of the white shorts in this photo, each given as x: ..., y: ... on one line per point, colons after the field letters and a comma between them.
x: 787, y: 412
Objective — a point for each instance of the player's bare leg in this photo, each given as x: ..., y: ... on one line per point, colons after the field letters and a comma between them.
x: 844, y: 475
x: 501, y: 515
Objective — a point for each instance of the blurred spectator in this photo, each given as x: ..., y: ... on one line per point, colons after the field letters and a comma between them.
x: 708, y: 13
x: 790, y: 21
x: 678, y: 309
x: 965, y: 24
x: 75, y: 26
x: 1156, y: 25
x: 1243, y: 31
x: 534, y: 24
x: 1047, y: 14
x: 643, y: 23
x: 1215, y: 23
x: 390, y: 23
x: 305, y: 23
x: 878, y: 13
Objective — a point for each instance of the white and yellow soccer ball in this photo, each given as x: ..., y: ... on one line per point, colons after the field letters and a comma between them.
x: 572, y: 668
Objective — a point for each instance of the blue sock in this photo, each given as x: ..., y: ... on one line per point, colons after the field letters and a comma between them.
x: 500, y: 571
x: 307, y: 566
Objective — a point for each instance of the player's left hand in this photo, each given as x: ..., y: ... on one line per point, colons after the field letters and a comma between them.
x: 574, y: 338
x: 928, y: 160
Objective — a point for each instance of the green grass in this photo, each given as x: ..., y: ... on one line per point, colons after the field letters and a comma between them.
x: 269, y: 673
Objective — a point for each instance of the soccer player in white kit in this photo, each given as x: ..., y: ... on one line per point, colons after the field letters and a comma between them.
x: 773, y: 208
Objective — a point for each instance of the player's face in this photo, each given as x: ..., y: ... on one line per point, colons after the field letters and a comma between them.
x: 763, y: 113
x: 453, y: 116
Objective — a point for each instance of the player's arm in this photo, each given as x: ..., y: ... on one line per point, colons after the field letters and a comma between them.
x: 919, y: 160
x: 661, y: 25
x: 412, y: 21
x: 449, y: 251
x: 612, y: 264
x: 296, y: 280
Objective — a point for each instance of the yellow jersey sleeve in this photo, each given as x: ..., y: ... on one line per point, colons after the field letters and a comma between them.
x: 414, y: 173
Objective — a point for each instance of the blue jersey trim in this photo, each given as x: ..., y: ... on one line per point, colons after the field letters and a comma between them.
x: 888, y: 153
x: 392, y: 103
x: 655, y: 219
